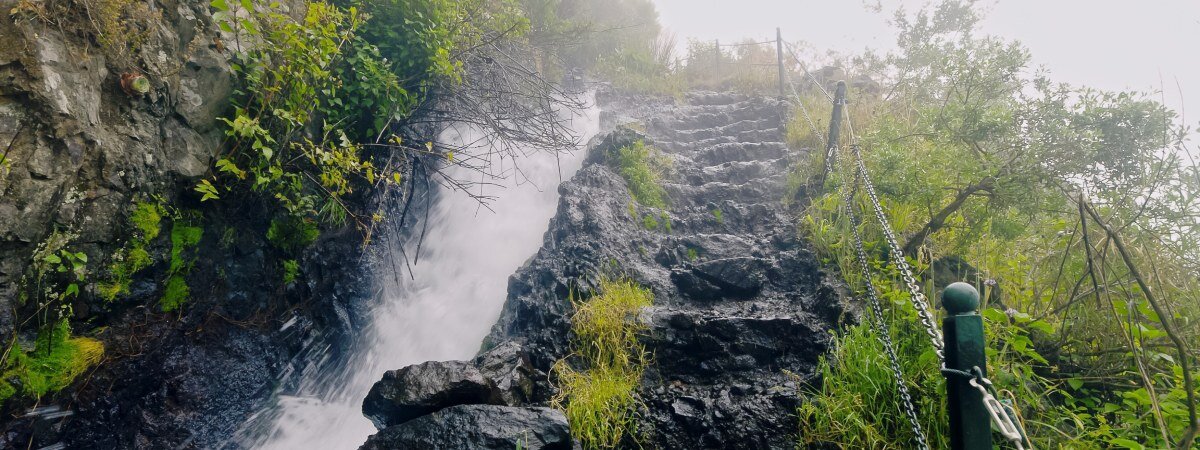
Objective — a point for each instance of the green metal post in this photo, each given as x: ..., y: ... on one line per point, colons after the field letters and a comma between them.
x: 970, y: 425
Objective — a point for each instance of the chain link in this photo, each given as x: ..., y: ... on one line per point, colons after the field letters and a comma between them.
x: 915, y: 295
x: 881, y: 330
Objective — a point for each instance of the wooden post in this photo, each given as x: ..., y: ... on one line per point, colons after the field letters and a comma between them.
x: 835, y: 126
x: 779, y: 58
x: 970, y: 425
x: 717, y: 60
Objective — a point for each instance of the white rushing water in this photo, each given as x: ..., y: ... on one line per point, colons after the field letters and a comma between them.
x: 443, y: 311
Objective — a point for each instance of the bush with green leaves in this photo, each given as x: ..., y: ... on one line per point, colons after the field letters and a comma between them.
x: 312, y: 91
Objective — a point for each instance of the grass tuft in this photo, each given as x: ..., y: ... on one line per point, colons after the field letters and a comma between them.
x: 600, y: 399
x: 642, y: 167
x: 52, y: 365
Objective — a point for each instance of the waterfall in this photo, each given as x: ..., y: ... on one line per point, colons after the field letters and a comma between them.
x: 445, y: 309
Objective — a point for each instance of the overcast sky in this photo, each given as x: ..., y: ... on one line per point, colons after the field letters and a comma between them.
x: 1107, y: 44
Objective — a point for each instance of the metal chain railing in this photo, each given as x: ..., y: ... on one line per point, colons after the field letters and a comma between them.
x: 1003, y: 416
x: 881, y: 329
x: 916, y: 297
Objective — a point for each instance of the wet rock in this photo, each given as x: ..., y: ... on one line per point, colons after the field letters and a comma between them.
x: 509, y: 369
x: 420, y: 389
x: 478, y: 427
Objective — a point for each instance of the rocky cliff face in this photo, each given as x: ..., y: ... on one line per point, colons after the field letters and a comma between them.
x: 742, y: 308
x: 78, y: 148
x: 79, y: 151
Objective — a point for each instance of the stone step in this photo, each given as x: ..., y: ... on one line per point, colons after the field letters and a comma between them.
x: 730, y: 128
x: 748, y: 151
x: 769, y: 134
x: 737, y: 172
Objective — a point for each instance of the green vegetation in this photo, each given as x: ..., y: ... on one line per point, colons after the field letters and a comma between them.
x: 650, y: 222
x: 55, y: 276
x: 1087, y: 297
x: 56, y: 360
x: 642, y: 167
x: 292, y: 234
x: 600, y: 399
x: 184, y: 237
x: 720, y: 216
x: 291, y: 268
x: 693, y: 255
x: 146, y: 220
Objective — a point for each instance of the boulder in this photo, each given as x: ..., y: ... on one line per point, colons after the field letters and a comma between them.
x: 478, y: 427
x: 405, y: 394
x: 508, y: 367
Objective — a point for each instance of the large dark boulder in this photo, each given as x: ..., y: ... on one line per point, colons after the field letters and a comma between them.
x: 478, y: 427
x: 420, y: 389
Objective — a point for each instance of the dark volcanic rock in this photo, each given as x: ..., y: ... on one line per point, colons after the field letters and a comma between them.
x: 420, y: 389
x: 478, y: 427
x: 508, y: 367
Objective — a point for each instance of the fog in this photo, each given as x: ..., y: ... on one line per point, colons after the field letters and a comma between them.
x: 1110, y: 45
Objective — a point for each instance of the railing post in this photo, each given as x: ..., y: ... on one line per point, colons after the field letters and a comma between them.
x: 779, y: 58
x: 970, y: 425
x: 835, y: 126
x: 717, y: 61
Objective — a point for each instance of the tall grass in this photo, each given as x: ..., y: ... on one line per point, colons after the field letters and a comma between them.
x: 599, y: 397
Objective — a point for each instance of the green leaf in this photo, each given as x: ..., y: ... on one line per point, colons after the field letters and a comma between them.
x: 220, y: 5
x: 1075, y: 383
x: 1127, y: 443
x: 207, y: 191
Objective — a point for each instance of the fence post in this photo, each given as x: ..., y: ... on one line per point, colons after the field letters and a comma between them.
x: 717, y: 54
x: 779, y: 58
x: 970, y: 425
x: 835, y: 125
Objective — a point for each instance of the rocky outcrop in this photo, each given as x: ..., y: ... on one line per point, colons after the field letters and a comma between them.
x: 78, y: 148
x: 420, y: 389
x: 501, y: 376
x: 478, y: 427
x: 78, y: 151
x: 742, y: 309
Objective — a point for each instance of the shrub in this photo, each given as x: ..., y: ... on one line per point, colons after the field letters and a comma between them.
x: 650, y: 222
x: 600, y: 399
x: 309, y: 96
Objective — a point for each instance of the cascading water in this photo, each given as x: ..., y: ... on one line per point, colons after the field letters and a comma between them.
x: 444, y: 310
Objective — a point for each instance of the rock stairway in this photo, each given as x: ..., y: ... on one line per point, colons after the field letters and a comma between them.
x: 742, y: 310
